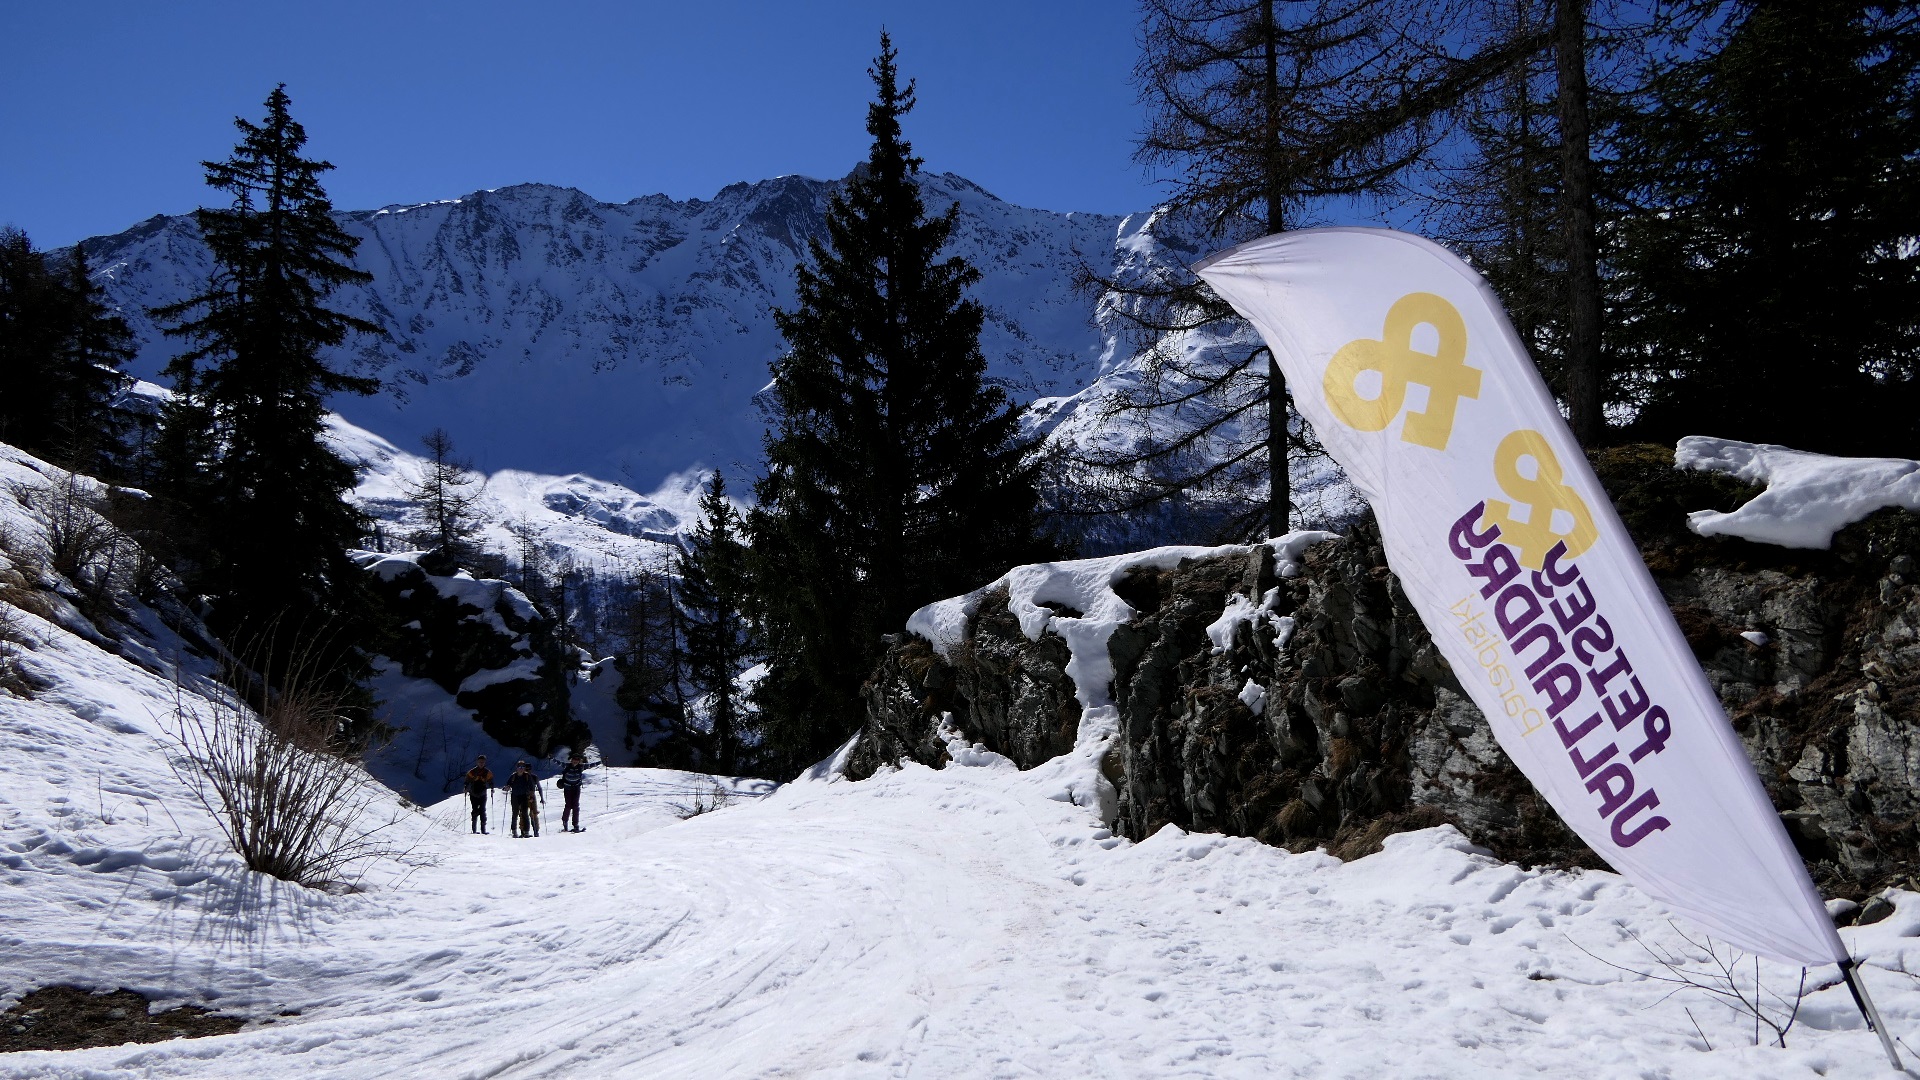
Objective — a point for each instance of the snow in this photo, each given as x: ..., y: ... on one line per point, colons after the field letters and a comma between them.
x: 1288, y: 549
x: 954, y: 923
x: 525, y: 667
x: 974, y: 921
x: 1809, y: 497
x: 1254, y: 697
x: 1239, y: 611
x: 593, y: 523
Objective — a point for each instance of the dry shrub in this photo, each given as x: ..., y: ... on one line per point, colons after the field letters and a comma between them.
x: 82, y: 546
x: 16, y: 595
x: 13, y: 680
x: 283, y: 782
x: 1295, y: 819
x: 1716, y: 971
x: 704, y: 802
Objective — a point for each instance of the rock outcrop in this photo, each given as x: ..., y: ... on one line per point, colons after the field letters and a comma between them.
x: 1328, y: 718
x: 480, y: 640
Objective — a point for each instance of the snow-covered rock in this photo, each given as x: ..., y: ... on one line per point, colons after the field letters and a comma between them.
x: 499, y: 678
x: 1808, y: 497
x: 1300, y: 701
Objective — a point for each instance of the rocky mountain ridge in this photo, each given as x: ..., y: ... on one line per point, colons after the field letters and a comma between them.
x: 551, y: 332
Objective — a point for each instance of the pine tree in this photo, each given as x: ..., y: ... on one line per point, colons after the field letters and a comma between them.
x: 1535, y: 199
x: 713, y: 597
x: 254, y: 377
x: 894, y: 473
x: 1582, y: 384
x: 445, y: 495
x: 30, y: 334
x: 98, y: 343
x: 61, y: 347
x: 1771, y: 288
x: 649, y: 654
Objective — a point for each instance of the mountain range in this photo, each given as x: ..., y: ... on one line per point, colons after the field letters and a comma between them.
x: 552, y: 333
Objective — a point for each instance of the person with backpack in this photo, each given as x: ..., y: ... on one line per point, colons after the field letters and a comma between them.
x: 571, y: 779
x: 522, y: 788
x: 479, y: 783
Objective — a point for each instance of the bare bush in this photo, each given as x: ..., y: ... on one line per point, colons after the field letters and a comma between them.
x: 1714, y: 970
x: 290, y: 797
x: 704, y: 802
x: 16, y: 595
x: 12, y: 679
x: 77, y: 536
x: 82, y: 546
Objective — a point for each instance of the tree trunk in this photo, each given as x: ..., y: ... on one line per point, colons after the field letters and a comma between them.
x: 1576, y: 192
x: 1280, y: 504
x: 1279, y: 482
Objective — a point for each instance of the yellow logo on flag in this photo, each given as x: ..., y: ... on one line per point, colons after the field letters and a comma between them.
x: 1443, y: 372
x: 1543, y: 493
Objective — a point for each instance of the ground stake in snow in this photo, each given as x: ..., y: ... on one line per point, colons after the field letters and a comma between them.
x: 1415, y: 382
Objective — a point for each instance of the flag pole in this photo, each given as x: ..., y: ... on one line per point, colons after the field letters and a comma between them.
x: 1849, y: 971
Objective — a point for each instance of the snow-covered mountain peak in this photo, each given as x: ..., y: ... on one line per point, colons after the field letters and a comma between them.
x: 550, y: 331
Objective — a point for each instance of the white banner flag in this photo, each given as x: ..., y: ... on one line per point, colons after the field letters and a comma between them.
x: 1510, y: 550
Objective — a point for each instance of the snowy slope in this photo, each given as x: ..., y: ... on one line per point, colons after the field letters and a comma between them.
x: 970, y: 922
x: 554, y: 333
x: 596, y: 523
x: 976, y: 921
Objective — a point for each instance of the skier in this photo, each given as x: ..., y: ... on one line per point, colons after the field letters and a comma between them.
x: 522, y: 788
x: 571, y: 778
x: 479, y: 783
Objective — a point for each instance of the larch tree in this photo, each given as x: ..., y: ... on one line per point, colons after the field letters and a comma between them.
x: 1497, y: 199
x: 894, y: 472
x: 445, y: 494
x: 1261, y: 109
x: 274, y: 491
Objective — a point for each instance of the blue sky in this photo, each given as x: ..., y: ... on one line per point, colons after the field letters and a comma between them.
x: 106, y: 109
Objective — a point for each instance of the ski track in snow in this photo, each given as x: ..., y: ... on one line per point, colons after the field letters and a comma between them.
x: 920, y: 924
x: 975, y: 921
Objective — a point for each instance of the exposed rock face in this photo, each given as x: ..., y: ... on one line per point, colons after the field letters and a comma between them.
x: 1008, y: 692
x: 1353, y: 726
x: 483, y: 642
x: 1829, y: 705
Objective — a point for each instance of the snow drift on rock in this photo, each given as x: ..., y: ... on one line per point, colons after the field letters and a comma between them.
x: 1809, y: 497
